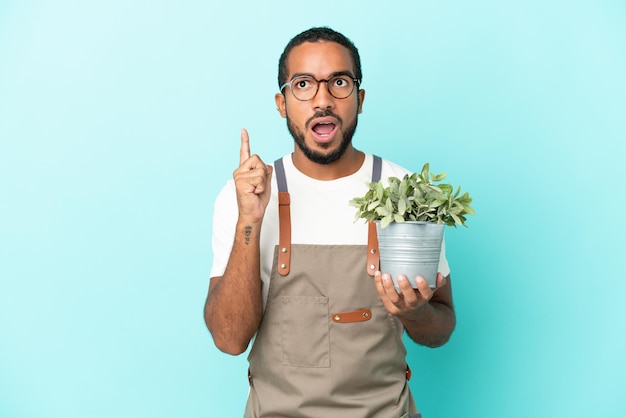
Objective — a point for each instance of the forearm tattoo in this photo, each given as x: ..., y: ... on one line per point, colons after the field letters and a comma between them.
x: 248, y: 231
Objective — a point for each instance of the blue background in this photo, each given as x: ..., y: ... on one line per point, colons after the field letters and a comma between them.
x: 119, y: 123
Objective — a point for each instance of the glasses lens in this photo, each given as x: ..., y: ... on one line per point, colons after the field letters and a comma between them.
x: 341, y: 86
x: 304, y: 88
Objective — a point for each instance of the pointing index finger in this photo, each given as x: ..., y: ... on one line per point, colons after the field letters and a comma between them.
x: 244, y: 152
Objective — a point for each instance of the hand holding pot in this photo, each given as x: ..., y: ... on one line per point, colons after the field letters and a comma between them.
x: 253, y: 180
x: 409, y: 302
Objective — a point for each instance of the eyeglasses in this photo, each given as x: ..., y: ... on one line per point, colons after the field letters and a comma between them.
x: 305, y: 87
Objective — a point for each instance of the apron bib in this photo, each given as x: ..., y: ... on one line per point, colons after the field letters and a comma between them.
x: 326, y: 345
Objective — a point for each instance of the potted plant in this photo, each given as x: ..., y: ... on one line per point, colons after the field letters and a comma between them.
x: 410, y: 216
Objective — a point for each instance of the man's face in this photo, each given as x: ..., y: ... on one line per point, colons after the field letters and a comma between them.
x: 323, y: 126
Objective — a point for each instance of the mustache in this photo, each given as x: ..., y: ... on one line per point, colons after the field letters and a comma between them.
x: 323, y: 114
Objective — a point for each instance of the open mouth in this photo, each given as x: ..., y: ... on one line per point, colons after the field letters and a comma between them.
x: 324, y: 131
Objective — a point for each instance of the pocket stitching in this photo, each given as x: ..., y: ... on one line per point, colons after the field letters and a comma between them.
x: 305, y: 334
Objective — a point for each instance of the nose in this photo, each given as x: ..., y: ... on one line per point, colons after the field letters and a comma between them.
x: 323, y: 99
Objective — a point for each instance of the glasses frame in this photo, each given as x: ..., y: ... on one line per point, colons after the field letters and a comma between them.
x: 317, y: 87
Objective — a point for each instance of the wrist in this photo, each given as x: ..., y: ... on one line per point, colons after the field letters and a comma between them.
x: 249, y: 222
x: 422, y: 315
x: 248, y: 232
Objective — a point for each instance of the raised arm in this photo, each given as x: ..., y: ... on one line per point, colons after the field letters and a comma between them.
x: 234, y: 305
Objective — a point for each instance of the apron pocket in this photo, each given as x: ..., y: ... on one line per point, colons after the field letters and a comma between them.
x: 305, y: 331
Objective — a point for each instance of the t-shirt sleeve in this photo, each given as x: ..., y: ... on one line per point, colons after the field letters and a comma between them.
x: 224, y: 223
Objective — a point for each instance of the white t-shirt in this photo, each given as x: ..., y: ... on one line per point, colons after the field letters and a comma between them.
x: 320, y: 215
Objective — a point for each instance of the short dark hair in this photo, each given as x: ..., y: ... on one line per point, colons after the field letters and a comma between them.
x: 315, y: 35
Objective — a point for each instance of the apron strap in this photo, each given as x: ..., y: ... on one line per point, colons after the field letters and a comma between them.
x: 378, y: 163
x: 284, y: 220
x: 373, y: 259
x: 281, y: 179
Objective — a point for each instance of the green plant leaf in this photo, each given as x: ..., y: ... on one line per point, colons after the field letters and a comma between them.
x: 446, y: 188
x: 438, y: 177
x: 389, y: 205
x: 382, y: 211
x: 379, y: 191
x: 418, y: 196
x: 373, y: 205
x: 402, y: 205
x: 425, y: 169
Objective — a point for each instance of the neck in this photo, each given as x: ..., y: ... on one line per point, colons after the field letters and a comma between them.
x: 349, y: 163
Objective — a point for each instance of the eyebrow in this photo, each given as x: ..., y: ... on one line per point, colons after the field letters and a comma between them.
x: 335, y: 74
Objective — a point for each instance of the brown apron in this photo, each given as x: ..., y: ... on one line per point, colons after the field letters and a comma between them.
x: 326, y: 346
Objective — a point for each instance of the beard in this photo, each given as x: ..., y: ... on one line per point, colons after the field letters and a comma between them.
x: 316, y: 156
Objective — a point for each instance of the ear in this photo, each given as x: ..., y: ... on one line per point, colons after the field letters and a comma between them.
x: 280, y: 104
x: 361, y: 94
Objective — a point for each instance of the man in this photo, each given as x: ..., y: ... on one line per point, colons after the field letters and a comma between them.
x: 290, y: 262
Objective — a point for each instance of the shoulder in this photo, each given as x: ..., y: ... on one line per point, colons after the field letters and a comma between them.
x: 391, y: 169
